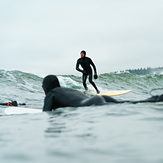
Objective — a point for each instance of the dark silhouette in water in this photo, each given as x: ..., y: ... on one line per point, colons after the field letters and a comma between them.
x: 56, y: 96
x: 12, y: 103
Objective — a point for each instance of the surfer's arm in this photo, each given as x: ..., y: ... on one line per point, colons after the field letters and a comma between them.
x: 77, y: 67
x: 3, y: 103
x: 49, y: 103
x: 94, y: 67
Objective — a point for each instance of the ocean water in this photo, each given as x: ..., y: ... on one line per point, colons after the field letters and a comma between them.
x: 115, y: 133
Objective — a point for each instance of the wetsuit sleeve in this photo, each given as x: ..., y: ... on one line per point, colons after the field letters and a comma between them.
x: 77, y: 66
x: 93, y: 65
x: 49, y: 102
x: 3, y: 103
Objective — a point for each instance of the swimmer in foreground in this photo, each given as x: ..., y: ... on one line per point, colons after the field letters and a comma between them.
x: 57, y: 96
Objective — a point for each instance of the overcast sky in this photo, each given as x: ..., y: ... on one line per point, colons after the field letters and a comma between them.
x: 46, y: 36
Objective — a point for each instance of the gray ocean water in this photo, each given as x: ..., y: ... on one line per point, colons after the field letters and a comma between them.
x: 115, y: 133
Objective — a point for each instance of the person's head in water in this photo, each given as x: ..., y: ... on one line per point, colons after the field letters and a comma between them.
x: 50, y: 82
x: 83, y: 53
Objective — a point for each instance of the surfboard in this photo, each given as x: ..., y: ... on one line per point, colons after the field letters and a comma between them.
x: 20, y: 110
x: 109, y: 93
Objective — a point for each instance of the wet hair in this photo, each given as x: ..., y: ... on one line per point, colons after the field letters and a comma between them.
x: 84, y: 52
x: 50, y: 82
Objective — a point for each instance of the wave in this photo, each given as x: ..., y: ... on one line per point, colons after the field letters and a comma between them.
x: 20, y: 86
x: 23, y: 86
x: 146, y: 71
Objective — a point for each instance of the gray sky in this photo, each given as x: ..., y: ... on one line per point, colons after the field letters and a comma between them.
x: 46, y: 36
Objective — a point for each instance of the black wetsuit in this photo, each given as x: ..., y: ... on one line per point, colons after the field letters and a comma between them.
x: 157, y: 98
x: 67, y: 97
x: 13, y: 103
x: 86, y: 64
x: 57, y: 96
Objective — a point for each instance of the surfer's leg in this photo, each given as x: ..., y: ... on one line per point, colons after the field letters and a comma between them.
x: 157, y: 98
x: 110, y: 99
x: 95, y: 100
x: 94, y: 85
x: 151, y: 99
x: 84, y: 78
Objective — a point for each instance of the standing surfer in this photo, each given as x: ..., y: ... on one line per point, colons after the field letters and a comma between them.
x: 86, y: 64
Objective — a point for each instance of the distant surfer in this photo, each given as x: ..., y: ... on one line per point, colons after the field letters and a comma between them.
x: 12, y: 103
x: 86, y: 63
x: 57, y: 96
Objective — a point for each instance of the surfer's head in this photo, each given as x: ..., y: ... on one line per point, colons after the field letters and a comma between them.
x: 83, y: 53
x: 50, y: 82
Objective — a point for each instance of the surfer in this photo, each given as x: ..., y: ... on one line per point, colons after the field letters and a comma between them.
x: 57, y: 96
x: 12, y: 103
x: 86, y: 64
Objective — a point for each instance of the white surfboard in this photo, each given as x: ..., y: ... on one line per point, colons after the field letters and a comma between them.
x: 109, y: 93
x: 20, y: 110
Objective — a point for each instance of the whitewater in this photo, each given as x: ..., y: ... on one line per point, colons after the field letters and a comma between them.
x: 115, y: 133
